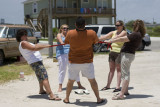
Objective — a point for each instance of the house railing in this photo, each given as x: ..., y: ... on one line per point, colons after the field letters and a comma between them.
x: 84, y: 11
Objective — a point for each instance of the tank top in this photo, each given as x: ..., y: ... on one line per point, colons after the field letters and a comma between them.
x: 30, y: 56
x: 62, y: 49
x: 116, y: 47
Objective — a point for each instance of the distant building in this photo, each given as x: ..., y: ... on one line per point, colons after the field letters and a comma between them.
x: 2, y: 21
x: 66, y: 12
x: 152, y: 25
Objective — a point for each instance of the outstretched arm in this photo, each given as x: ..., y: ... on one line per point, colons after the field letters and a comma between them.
x: 123, y: 33
x: 59, y: 39
x: 27, y: 45
x: 107, y: 36
x: 120, y: 39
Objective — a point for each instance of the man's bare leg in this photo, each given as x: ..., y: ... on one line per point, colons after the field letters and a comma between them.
x: 69, y: 89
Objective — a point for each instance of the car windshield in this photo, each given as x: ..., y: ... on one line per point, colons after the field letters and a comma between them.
x: 1, y: 32
x: 106, y: 30
x: 93, y: 28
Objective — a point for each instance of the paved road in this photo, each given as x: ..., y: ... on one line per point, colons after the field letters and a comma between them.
x: 155, y: 46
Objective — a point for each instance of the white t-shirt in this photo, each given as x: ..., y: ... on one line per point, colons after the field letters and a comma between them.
x: 30, y: 56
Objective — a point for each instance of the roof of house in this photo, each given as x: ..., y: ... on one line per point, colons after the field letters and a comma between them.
x: 15, y: 25
x: 30, y: 1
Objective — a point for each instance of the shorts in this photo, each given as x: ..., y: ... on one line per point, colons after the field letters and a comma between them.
x: 126, y: 60
x: 87, y: 70
x: 115, y: 57
x: 40, y: 70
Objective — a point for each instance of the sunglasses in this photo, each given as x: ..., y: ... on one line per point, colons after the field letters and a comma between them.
x: 65, y: 28
x: 117, y: 25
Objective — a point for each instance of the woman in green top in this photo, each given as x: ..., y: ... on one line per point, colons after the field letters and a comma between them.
x: 114, y: 55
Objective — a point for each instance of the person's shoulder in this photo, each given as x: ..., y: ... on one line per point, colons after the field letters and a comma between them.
x: 59, y: 34
x: 136, y: 33
x: 24, y: 42
x: 72, y: 30
x: 91, y: 31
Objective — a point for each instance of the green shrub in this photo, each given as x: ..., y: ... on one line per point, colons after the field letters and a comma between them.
x: 156, y: 29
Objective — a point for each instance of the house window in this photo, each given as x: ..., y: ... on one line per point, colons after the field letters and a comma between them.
x: 35, y: 7
x: 102, y: 3
x: 85, y: 1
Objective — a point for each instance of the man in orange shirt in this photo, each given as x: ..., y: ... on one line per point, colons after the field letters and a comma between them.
x: 81, y: 57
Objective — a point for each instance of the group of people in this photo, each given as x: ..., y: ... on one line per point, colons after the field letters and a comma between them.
x: 77, y: 55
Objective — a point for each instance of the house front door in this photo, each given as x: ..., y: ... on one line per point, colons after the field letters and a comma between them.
x: 74, y: 4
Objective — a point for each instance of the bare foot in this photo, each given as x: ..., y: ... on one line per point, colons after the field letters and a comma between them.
x: 60, y: 90
x: 66, y: 101
x: 54, y: 97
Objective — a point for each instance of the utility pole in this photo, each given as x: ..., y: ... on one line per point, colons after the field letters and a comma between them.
x: 50, y: 32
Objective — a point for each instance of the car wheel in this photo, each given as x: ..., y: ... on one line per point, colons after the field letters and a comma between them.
x: 142, y: 46
x: 1, y: 57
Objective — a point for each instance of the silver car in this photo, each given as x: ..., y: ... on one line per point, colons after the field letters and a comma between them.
x: 146, y: 41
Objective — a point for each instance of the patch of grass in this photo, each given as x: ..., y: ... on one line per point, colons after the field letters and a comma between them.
x: 12, y: 71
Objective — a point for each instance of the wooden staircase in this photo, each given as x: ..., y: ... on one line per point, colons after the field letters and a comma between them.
x: 42, y: 22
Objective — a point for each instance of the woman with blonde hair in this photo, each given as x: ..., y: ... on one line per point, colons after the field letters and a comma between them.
x: 114, y: 55
x: 132, y: 42
x: 62, y: 56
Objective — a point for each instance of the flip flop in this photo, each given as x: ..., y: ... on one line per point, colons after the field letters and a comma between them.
x: 116, y: 90
x: 105, y: 88
x: 116, y: 97
x: 102, y: 101
x: 56, y: 98
x: 66, y: 102
x: 80, y: 92
x: 43, y: 92
x: 86, y: 91
x: 126, y: 94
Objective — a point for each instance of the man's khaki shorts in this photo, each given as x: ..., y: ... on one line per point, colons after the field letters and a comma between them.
x: 87, y: 70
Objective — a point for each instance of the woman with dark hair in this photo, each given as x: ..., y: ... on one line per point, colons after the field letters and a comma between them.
x: 114, y: 55
x: 132, y: 41
x: 33, y: 57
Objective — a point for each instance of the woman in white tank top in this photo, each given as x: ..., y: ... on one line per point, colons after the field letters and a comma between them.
x: 33, y: 57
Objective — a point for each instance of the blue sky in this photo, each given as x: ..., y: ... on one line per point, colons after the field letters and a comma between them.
x: 12, y: 10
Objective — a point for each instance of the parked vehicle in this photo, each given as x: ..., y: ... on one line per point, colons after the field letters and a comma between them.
x: 37, y: 35
x: 100, y: 30
x: 8, y: 43
x: 146, y: 41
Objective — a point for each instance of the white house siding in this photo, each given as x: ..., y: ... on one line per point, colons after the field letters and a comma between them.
x: 104, y: 20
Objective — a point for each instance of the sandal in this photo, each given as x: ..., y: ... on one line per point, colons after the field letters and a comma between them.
x: 66, y: 102
x: 56, y: 98
x: 105, y: 88
x: 80, y: 92
x: 102, y: 101
x: 117, y: 90
x: 43, y: 92
x: 86, y: 92
x: 126, y: 94
x: 116, y: 97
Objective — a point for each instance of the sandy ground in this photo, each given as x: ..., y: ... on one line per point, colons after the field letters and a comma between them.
x: 144, y: 86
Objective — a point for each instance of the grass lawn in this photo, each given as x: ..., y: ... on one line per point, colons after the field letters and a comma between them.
x: 11, y: 70
x: 54, y: 40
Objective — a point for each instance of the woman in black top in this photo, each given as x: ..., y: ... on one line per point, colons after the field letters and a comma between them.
x: 132, y: 42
